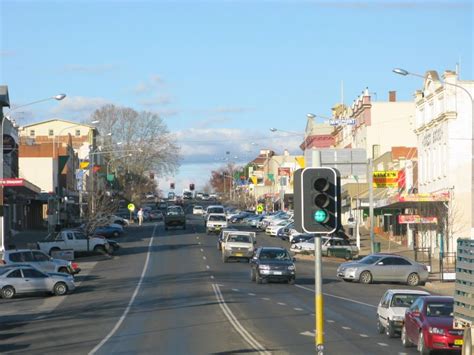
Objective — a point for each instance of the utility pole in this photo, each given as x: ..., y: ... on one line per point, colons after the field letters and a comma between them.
x: 371, y: 204
x: 4, y: 102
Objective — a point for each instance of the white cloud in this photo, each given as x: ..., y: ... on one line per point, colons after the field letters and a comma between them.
x: 156, y: 100
x: 148, y: 86
x: 88, y: 69
x: 78, y: 107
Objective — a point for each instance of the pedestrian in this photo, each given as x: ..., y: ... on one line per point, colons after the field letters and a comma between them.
x: 140, y: 216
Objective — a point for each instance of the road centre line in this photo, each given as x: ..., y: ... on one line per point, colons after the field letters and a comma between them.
x: 202, y: 250
x: 251, y: 294
x: 236, y: 324
x: 298, y: 309
x: 329, y: 321
x: 208, y: 267
x: 382, y: 344
x: 132, y: 299
x: 235, y: 289
x: 346, y: 328
x: 339, y: 297
x: 204, y: 258
x: 281, y: 304
x: 364, y: 335
x: 265, y: 299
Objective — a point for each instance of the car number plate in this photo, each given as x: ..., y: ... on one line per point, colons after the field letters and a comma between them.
x: 458, y: 341
x: 239, y: 254
x: 277, y: 273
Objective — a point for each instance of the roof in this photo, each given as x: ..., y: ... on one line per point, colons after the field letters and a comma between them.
x: 438, y: 298
x: 58, y: 119
x: 410, y: 292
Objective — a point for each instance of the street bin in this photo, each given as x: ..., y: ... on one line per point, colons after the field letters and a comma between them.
x: 376, y: 247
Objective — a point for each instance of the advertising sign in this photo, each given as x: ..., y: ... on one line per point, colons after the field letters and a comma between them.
x: 12, y: 182
x: 414, y: 218
x: 387, y: 178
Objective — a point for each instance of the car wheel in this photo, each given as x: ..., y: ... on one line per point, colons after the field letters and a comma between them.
x: 291, y: 281
x: 405, y: 341
x: 365, y: 277
x: 422, y: 349
x: 380, y: 328
x: 8, y: 292
x: 53, y: 250
x: 99, y: 249
x: 60, y: 289
x: 252, y: 275
x: 390, y: 331
x: 63, y: 270
x: 413, y: 279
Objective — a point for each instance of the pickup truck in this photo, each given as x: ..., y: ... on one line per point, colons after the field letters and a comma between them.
x: 239, y: 245
x: 215, y: 222
x: 75, y: 240
x: 464, y: 294
x: 175, y: 217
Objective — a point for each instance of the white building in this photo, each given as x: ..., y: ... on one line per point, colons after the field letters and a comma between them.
x: 444, y: 125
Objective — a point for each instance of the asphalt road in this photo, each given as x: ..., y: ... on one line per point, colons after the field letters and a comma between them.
x: 170, y: 293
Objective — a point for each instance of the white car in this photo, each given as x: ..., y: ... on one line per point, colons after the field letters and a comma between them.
x: 326, y: 243
x: 215, y: 222
x: 198, y: 210
x: 392, y: 307
x: 273, y: 229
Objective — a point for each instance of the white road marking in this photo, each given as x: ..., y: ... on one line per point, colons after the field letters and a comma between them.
x: 308, y: 334
x: 204, y: 258
x: 298, y: 309
x: 265, y: 299
x: 208, y: 267
x: 202, y: 249
x: 236, y: 324
x: 235, y: 289
x: 329, y: 321
x: 251, y: 294
x: 212, y: 277
x: 339, y: 297
x: 346, y: 328
x: 134, y: 295
x: 364, y: 335
x: 281, y: 304
x: 197, y: 237
x: 382, y: 344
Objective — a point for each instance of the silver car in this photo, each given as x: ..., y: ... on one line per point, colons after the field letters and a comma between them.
x: 18, y: 279
x: 38, y: 259
x: 385, y: 268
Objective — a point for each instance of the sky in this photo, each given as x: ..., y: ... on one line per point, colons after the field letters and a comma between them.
x: 222, y: 73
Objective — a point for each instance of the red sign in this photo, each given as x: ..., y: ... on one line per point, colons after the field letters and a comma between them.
x: 414, y: 218
x: 12, y: 182
x: 284, y: 172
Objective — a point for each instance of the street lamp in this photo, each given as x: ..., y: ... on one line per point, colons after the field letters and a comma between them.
x: 58, y: 97
x: 404, y: 72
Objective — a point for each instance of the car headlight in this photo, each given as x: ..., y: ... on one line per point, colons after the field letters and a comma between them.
x: 264, y: 267
x: 398, y: 318
x: 434, y: 330
x: 291, y: 267
x: 351, y: 270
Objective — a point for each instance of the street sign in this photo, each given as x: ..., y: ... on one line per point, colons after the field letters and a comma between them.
x: 387, y: 178
x: 131, y: 207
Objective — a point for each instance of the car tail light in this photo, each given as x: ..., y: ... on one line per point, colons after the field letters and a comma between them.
x: 75, y: 266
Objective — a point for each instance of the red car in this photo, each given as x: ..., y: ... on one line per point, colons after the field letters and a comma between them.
x: 429, y: 325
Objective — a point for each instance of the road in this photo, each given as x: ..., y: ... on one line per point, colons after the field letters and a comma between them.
x: 170, y: 293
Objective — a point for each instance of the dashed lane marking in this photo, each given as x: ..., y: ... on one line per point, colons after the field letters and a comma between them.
x: 265, y: 299
x: 212, y: 277
x: 202, y: 249
x: 329, y: 321
x: 308, y: 334
x: 281, y: 304
x: 382, y: 344
x: 298, y: 309
x: 204, y: 258
x: 346, y: 328
x: 251, y: 294
x: 363, y: 335
x: 235, y: 289
x: 208, y: 267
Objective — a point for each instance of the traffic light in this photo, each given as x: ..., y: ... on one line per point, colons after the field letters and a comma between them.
x: 172, y: 185
x: 317, y: 200
x: 191, y: 187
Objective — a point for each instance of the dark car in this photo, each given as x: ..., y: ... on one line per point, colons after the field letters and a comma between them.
x: 429, y: 325
x: 108, y: 231
x: 272, y: 264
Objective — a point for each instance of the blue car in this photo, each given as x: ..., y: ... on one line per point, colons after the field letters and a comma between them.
x: 108, y: 231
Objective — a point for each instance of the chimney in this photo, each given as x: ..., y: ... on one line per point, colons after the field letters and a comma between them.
x: 392, y: 96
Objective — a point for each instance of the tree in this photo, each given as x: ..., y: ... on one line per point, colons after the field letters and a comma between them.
x: 146, y: 136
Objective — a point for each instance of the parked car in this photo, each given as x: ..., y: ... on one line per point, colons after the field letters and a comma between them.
x: 273, y: 228
x: 272, y: 264
x: 429, y: 325
x: 108, y: 231
x: 198, y: 210
x: 384, y: 267
x: 74, y: 239
x: 38, y: 259
x: 18, y: 279
x: 301, y: 238
x: 392, y: 307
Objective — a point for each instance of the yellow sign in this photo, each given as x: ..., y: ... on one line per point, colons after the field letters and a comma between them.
x: 131, y: 207
x: 260, y: 208
x: 387, y: 178
x: 84, y: 164
x: 254, y: 180
x: 300, y: 161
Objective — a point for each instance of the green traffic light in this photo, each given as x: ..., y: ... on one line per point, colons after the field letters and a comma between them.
x: 320, y: 216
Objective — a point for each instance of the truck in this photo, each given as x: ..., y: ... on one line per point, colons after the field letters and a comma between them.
x: 175, y: 217
x: 463, y: 316
x: 76, y: 240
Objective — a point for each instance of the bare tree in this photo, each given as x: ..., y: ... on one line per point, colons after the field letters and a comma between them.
x: 144, y: 135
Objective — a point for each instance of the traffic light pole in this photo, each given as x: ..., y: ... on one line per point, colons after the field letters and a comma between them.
x: 318, y: 297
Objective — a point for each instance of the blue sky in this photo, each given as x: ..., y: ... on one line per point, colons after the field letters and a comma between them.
x: 222, y: 73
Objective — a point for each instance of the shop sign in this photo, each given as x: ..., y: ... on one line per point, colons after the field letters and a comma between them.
x: 12, y: 182
x: 387, y: 178
x: 424, y: 197
x: 416, y: 219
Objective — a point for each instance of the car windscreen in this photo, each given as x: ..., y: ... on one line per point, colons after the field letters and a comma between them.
x: 217, y: 218
x: 239, y: 238
x: 215, y: 210
x: 370, y: 259
x: 174, y: 210
x: 439, y: 309
x: 4, y: 270
x: 403, y: 300
x: 274, y: 255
